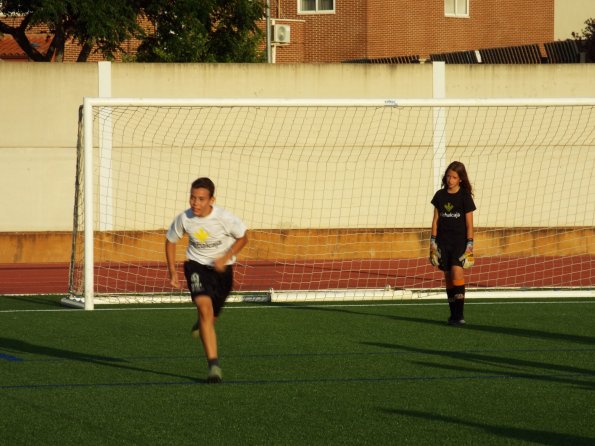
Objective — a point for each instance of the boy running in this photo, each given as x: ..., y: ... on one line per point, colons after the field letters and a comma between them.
x: 216, y: 237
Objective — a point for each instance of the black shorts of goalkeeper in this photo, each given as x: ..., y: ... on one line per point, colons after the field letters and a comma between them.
x: 203, y: 280
x: 449, y: 256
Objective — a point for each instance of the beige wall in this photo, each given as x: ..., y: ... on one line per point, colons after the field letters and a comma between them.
x: 570, y: 15
x: 522, y: 81
x: 38, y: 128
x: 39, y: 107
x: 262, y: 80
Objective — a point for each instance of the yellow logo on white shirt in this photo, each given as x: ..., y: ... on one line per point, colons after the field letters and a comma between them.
x: 201, y: 235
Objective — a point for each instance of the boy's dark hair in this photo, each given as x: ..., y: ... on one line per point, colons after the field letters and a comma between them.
x: 459, y: 168
x: 205, y: 183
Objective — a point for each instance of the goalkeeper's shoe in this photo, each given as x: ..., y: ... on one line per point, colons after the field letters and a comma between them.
x: 456, y: 321
x: 195, y: 330
x: 215, y: 375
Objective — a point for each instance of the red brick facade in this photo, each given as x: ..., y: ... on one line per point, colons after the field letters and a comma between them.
x: 388, y: 28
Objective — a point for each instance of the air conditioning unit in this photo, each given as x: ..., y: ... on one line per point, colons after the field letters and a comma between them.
x: 281, y: 33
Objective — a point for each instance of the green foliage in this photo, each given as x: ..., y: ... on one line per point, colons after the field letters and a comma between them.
x: 203, y: 31
x: 586, y: 39
x: 90, y: 23
x: 185, y: 30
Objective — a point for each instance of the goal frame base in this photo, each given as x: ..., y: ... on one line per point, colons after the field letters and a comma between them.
x: 343, y: 295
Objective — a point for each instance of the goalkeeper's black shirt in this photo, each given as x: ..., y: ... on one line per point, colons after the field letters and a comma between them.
x: 452, y: 208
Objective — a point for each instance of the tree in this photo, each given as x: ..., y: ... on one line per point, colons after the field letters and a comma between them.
x: 586, y: 40
x: 203, y: 31
x: 103, y: 25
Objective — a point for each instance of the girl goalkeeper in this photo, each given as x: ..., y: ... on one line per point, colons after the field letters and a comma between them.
x: 451, y: 242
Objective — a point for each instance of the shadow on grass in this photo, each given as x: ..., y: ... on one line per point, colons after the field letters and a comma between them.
x: 511, y: 365
x: 16, y: 346
x: 513, y: 433
x: 510, y: 331
x: 46, y: 301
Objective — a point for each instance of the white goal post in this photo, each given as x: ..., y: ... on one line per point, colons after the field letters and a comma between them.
x: 336, y: 193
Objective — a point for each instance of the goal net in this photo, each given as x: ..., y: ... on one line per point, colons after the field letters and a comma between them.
x: 336, y: 194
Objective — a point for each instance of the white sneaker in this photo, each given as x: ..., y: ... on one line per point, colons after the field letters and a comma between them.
x: 215, y: 375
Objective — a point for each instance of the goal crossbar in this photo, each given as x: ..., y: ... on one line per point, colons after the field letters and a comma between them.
x: 90, y: 102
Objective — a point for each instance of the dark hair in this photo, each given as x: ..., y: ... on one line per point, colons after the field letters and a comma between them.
x: 459, y: 168
x: 205, y: 183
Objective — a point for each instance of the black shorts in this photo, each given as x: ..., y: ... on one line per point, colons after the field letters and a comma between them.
x: 203, y: 280
x: 449, y: 256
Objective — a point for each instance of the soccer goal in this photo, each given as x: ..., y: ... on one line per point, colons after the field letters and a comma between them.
x: 336, y: 194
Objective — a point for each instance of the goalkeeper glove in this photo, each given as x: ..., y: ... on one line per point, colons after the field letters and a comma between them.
x: 467, y: 258
x: 434, y: 252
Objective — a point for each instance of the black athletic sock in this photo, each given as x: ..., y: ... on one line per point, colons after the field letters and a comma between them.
x: 212, y: 362
x: 450, y: 295
x: 461, y: 308
x: 459, y: 301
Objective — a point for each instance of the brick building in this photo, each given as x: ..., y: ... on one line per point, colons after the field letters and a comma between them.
x: 330, y: 31
x: 341, y: 30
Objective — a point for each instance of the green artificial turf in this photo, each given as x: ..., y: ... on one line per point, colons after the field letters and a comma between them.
x: 520, y: 372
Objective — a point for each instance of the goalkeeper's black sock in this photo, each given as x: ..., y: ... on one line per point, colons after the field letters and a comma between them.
x: 458, y: 309
x: 450, y: 295
x: 459, y: 299
x: 212, y: 362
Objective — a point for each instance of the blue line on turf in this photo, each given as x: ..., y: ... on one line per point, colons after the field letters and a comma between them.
x: 296, y: 381
x: 6, y: 357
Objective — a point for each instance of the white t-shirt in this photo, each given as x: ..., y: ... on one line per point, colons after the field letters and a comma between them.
x: 210, y: 236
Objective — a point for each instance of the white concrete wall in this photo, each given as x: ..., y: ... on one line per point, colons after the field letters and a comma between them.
x: 39, y: 110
